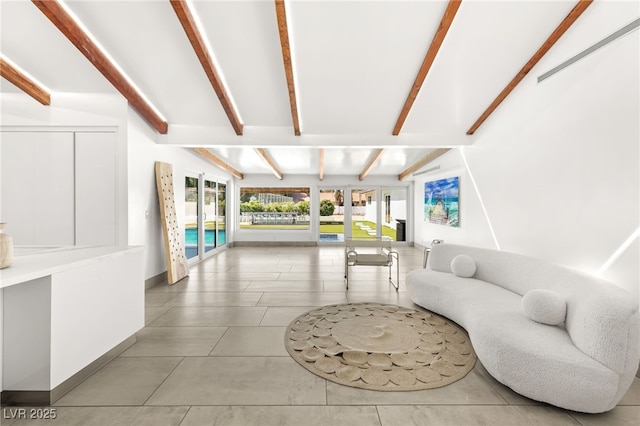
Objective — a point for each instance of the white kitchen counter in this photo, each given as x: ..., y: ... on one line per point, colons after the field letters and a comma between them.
x: 63, y: 308
x: 31, y: 262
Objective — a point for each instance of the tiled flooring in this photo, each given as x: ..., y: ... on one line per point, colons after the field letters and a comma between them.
x: 212, y: 353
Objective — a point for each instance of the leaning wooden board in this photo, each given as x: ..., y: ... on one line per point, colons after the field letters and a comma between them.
x: 177, y: 267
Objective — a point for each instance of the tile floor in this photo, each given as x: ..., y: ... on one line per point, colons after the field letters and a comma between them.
x: 212, y: 353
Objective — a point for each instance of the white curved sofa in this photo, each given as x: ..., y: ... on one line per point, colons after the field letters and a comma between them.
x: 587, y: 363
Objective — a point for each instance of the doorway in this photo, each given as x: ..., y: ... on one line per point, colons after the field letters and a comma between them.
x: 332, y: 215
x: 205, y: 216
x: 360, y: 212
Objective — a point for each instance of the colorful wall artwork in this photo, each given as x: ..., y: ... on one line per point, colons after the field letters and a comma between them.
x: 441, y: 202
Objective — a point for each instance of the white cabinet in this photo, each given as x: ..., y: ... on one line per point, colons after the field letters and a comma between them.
x: 63, y: 309
x: 37, y: 187
x: 59, y: 188
x: 95, y: 187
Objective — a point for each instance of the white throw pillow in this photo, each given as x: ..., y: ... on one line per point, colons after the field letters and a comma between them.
x: 463, y: 266
x: 544, y: 306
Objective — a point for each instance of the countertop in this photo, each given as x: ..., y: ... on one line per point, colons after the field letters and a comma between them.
x: 30, y: 262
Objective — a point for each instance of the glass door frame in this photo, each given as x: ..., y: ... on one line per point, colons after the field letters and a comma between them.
x: 201, y: 217
x: 199, y: 247
x: 379, y: 214
x: 386, y: 210
x: 346, y: 206
x: 220, y: 182
x: 206, y: 248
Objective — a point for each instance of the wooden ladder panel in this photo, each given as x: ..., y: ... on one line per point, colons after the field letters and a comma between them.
x: 177, y: 267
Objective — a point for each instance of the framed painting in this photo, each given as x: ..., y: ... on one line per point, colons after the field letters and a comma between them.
x: 441, y: 202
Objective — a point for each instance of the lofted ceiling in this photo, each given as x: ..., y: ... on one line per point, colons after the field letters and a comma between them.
x: 373, y: 87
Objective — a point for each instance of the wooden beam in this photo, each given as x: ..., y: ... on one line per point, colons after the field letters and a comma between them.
x: 438, y: 38
x: 321, y: 166
x: 200, y: 47
x: 283, y: 30
x: 23, y: 82
x: 423, y: 162
x: 376, y: 157
x: 265, y: 156
x: 553, y: 38
x: 59, y: 17
x: 218, y: 161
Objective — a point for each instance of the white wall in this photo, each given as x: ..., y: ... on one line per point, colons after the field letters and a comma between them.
x: 143, y: 152
x: 557, y: 166
x: 473, y: 229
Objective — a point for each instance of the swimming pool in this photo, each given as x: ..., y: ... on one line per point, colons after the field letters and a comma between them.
x: 191, y: 236
x: 191, y: 241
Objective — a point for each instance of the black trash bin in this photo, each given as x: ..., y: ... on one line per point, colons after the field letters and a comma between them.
x: 401, y: 229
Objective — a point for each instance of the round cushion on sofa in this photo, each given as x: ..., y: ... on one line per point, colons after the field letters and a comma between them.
x: 544, y: 306
x: 463, y: 266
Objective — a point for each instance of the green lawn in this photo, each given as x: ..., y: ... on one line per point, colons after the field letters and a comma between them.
x: 326, y: 228
x: 356, y: 232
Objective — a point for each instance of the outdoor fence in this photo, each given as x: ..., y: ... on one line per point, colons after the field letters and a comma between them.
x: 273, y: 218
x: 355, y: 210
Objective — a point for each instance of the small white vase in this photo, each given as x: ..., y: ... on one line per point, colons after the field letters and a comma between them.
x: 6, y: 248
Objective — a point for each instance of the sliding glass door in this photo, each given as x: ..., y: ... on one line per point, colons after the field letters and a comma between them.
x: 365, y: 213
x: 210, y: 207
x: 332, y: 214
x: 191, y: 215
x: 205, y: 213
x: 221, y: 216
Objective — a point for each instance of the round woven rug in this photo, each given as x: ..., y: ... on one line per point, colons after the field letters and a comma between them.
x: 380, y: 347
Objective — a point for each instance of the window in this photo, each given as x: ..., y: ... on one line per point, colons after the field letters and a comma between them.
x: 192, y: 228
x: 274, y: 208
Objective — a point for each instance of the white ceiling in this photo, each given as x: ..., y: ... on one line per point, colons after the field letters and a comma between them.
x: 354, y: 63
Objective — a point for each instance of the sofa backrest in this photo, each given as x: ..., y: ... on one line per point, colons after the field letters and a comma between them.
x: 602, y: 319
